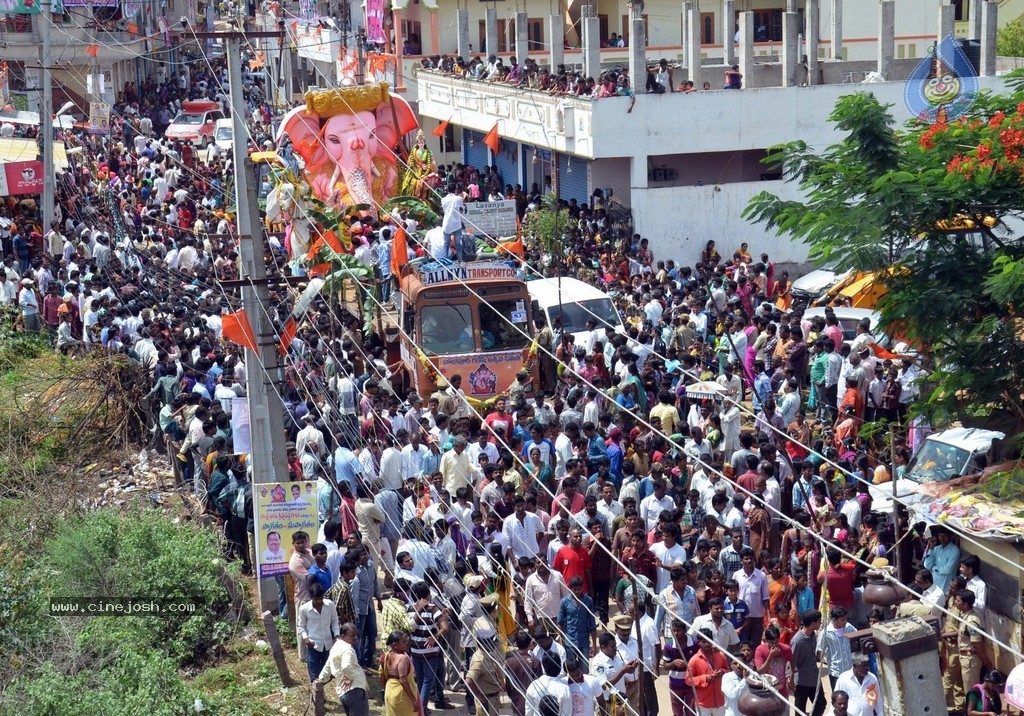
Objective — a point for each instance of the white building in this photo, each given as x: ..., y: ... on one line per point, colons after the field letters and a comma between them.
x: 688, y: 164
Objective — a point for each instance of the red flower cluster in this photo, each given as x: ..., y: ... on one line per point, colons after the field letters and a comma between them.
x: 998, y: 151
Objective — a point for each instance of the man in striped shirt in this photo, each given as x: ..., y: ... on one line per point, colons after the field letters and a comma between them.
x: 430, y: 623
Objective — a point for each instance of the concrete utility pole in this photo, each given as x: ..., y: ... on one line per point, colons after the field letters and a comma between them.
x: 46, y: 116
x: 266, y: 413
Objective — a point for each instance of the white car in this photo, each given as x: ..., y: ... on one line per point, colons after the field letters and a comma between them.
x: 579, y: 302
x: 810, y: 286
x: 223, y: 134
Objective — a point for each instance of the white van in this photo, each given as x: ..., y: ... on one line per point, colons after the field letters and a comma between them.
x: 579, y: 302
x: 223, y: 134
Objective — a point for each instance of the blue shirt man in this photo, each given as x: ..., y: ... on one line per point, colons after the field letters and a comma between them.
x: 576, y: 619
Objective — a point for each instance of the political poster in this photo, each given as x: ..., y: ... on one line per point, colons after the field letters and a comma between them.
x: 281, y: 510
x: 99, y: 118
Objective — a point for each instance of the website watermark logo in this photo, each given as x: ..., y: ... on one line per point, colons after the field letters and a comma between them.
x: 943, y: 86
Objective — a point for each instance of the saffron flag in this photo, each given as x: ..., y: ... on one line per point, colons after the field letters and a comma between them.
x: 441, y: 128
x: 492, y: 140
x: 399, y: 251
x: 287, y: 336
x: 235, y: 327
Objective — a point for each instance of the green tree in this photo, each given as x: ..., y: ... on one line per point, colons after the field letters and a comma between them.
x: 546, y: 229
x: 1010, y: 42
x: 937, y: 200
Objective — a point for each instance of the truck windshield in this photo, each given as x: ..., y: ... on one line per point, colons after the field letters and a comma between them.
x: 575, y: 315
x: 447, y: 329
x: 937, y: 462
x: 503, y: 325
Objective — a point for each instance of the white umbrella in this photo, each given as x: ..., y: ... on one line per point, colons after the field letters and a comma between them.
x: 705, y: 389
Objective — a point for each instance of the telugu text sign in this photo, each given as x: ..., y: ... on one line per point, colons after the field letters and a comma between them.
x: 281, y: 510
x: 491, y: 218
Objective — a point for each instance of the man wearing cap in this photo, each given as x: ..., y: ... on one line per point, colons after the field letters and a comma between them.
x: 28, y: 300
x: 485, y: 679
x: 862, y: 687
x: 628, y: 651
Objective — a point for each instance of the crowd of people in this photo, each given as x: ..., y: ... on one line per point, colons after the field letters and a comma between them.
x: 563, y: 553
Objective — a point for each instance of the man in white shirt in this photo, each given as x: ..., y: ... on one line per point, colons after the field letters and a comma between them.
x: 722, y: 629
x: 523, y: 530
x: 343, y: 665
x: 549, y: 685
x: 412, y: 457
x: 654, y: 504
x: 317, y: 628
x: 543, y: 594
x: 311, y: 435
x: 862, y: 687
x: 451, y: 225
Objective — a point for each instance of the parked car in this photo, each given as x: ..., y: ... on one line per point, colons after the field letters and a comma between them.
x: 195, y: 122
x: 809, y: 287
x: 849, y: 318
x: 223, y: 134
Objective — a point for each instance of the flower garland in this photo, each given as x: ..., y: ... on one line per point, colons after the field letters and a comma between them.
x: 529, y: 361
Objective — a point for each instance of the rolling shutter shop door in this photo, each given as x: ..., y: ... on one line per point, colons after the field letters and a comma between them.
x: 507, y: 163
x: 475, y: 155
x: 573, y: 184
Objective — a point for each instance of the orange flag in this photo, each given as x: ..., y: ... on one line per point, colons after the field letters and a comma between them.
x: 514, y: 247
x: 235, y: 327
x: 492, y: 140
x: 440, y: 129
x: 287, y: 336
x: 399, y: 251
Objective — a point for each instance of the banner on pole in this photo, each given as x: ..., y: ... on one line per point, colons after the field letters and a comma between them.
x: 375, y: 22
x: 240, y: 435
x: 99, y: 118
x: 281, y: 510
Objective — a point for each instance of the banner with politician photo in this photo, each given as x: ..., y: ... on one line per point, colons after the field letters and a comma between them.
x: 281, y: 509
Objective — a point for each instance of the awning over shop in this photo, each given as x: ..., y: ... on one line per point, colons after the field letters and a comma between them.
x: 17, y: 149
x: 18, y: 116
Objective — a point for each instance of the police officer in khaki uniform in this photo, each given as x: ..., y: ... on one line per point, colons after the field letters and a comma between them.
x: 485, y: 680
x: 964, y: 668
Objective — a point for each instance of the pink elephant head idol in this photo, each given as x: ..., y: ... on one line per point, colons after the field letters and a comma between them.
x: 348, y: 138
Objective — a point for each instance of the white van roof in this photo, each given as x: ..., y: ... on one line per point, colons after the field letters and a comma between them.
x: 545, y: 291
x: 970, y: 439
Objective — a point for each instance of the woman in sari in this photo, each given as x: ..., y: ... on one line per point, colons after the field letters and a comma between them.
x: 756, y: 338
x: 401, y: 697
x: 539, y: 479
x: 710, y: 256
x: 783, y: 296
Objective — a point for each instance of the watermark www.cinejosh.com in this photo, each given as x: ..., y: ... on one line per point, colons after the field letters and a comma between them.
x: 122, y: 607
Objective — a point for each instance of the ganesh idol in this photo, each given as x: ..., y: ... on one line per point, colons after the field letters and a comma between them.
x: 348, y: 139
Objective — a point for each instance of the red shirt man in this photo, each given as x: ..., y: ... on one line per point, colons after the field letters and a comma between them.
x: 706, y: 669
x: 573, y: 560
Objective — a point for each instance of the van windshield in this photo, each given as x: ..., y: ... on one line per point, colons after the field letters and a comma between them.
x: 937, y: 462
x: 575, y: 315
x: 185, y: 118
x: 223, y: 133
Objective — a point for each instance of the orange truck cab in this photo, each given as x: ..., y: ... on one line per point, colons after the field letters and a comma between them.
x: 469, y: 319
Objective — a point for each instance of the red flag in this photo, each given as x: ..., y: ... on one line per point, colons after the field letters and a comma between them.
x: 492, y: 140
x: 287, y: 336
x: 235, y: 327
x: 399, y: 251
x: 441, y: 128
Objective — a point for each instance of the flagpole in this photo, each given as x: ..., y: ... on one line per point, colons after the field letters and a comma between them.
x: 46, y: 116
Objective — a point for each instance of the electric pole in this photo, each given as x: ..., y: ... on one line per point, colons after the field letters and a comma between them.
x: 46, y: 117
x: 266, y: 413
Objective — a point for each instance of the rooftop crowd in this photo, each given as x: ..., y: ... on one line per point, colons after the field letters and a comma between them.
x: 590, y: 535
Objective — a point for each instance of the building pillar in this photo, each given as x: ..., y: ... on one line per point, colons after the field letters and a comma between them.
x: 462, y: 22
x: 886, y: 37
x: 837, y: 29
x: 692, y: 48
x: 638, y: 172
x: 947, y: 21
x: 491, y: 33
x: 687, y: 9
x: 556, y: 41
x: 790, y: 48
x: 812, y: 35
x: 729, y: 31
x: 435, y: 42
x: 974, y: 26
x: 908, y: 667
x: 399, y: 41
x: 592, y: 47
x: 746, y: 54
x: 637, y: 51
x: 522, y: 37
x: 989, y: 30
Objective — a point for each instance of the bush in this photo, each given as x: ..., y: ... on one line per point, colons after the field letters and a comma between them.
x: 142, y: 556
